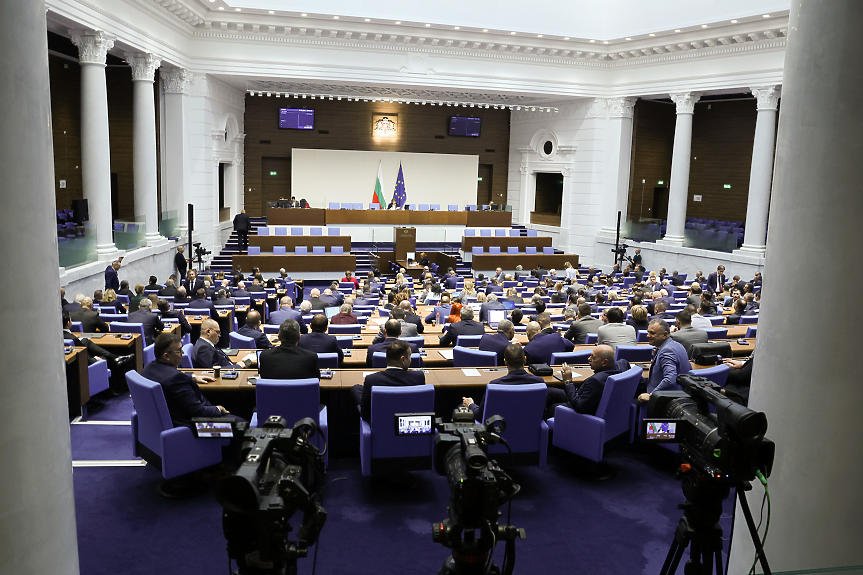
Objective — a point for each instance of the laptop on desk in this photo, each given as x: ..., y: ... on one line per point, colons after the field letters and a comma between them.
x: 495, y: 316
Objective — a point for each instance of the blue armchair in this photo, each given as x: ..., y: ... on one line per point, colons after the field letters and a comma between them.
x: 381, y: 451
x: 522, y: 407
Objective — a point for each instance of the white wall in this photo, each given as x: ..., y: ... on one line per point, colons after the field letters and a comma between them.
x: 323, y: 176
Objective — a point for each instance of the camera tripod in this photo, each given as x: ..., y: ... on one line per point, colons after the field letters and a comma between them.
x: 472, y: 555
x: 699, y: 527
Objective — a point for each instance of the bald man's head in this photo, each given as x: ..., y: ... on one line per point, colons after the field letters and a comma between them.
x: 532, y: 329
x: 253, y: 319
x: 601, y: 358
x: 210, y: 330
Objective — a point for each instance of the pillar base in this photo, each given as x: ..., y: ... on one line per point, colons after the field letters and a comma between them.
x: 155, y: 239
x: 106, y: 251
x: 676, y: 241
x: 749, y: 250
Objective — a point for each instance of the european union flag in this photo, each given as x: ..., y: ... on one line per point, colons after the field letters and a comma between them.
x: 400, y: 196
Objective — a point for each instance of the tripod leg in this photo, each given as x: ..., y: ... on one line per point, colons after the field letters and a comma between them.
x: 675, y: 553
x: 719, y: 562
x: 753, y: 532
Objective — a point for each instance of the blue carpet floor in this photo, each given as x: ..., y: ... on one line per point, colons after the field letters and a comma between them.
x: 623, y: 526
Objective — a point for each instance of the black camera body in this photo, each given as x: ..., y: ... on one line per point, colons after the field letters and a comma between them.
x: 282, y: 472
x: 728, y: 445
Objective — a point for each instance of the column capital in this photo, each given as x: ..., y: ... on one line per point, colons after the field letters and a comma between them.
x: 685, y: 101
x: 621, y: 107
x: 143, y: 65
x: 767, y: 96
x: 176, y: 80
x: 93, y: 45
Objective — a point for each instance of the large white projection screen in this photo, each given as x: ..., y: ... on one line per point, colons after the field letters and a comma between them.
x: 324, y: 176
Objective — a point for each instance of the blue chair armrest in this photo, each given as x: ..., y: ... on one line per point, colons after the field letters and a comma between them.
x: 135, y: 433
x: 365, y: 448
x: 543, y: 443
x: 183, y: 453
x: 583, y: 435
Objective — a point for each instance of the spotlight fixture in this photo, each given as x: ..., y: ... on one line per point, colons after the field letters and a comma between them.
x: 629, y: 38
x: 428, y: 25
x: 278, y: 95
x: 332, y: 98
x: 567, y: 38
x: 678, y: 30
x: 458, y: 27
x: 704, y: 25
x: 271, y: 11
x: 734, y: 21
x: 653, y: 35
x: 237, y: 9
x: 313, y: 97
x: 513, y: 33
x: 593, y: 40
x: 221, y: 7
x: 339, y: 98
x: 539, y: 35
x: 765, y: 15
x: 398, y: 22
x: 368, y: 19
x: 485, y: 30
x: 269, y: 94
x: 303, y: 95
x: 335, y: 17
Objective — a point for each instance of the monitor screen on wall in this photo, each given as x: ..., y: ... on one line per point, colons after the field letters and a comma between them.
x: 296, y: 119
x: 459, y: 126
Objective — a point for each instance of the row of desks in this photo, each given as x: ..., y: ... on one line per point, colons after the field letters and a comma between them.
x: 322, y: 217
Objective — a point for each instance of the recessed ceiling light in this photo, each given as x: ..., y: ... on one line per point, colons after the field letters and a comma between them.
x: 629, y: 38
x: 427, y: 25
x: 567, y: 38
x: 368, y: 19
x: 237, y: 9
x: 272, y: 11
x: 398, y: 21
x: 704, y: 25
x: 653, y: 34
x: 335, y: 17
x: 677, y: 30
x: 513, y: 33
x: 221, y: 7
x: 606, y: 42
x: 734, y: 21
x: 304, y: 14
x: 485, y: 30
x: 539, y: 35
x: 593, y: 40
x: 212, y: 0
x: 765, y: 15
x: 458, y: 27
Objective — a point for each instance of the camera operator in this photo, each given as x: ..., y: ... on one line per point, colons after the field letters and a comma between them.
x: 669, y: 361
x: 585, y: 398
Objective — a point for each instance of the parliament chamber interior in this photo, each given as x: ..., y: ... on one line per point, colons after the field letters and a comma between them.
x: 375, y: 288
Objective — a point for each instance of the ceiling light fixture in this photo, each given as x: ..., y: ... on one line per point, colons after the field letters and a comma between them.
x: 304, y: 15
x: 593, y: 40
x: 567, y: 38
x: 677, y: 30
x: 427, y: 25
x: 653, y: 34
x: 734, y: 21
x: 278, y: 95
x: 398, y: 22
x: 368, y: 19
x: 221, y: 7
x: 272, y: 11
x: 513, y: 33
x: 237, y: 9
x: 605, y: 42
x: 458, y: 27
x: 335, y: 17
x: 629, y: 38
x: 704, y: 25
x: 485, y: 30
x: 269, y: 94
x: 765, y: 15
x: 539, y: 35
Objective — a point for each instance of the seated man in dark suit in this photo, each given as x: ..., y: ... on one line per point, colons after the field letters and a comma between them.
x: 201, y: 302
x: 94, y: 352
x: 288, y: 360
x: 393, y: 329
x: 396, y: 374
x: 686, y: 334
x: 182, y: 394
x: 677, y: 279
x: 411, y: 317
x: 153, y: 326
x: 498, y: 342
x: 492, y: 303
x: 441, y: 311
x: 90, y: 320
x: 451, y: 281
x: 223, y: 298
x: 241, y: 291
x: 169, y: 290
x: 167, y: 312
x: 407, y: 329
x: 252, y: 329
x: 316, y: 301
x: 75, y: 305
x: 660, y: 313
x: 319, y: 341
x: 516, y: 315
x: 467, y: 326
x: 205, y: 354
x: 585, y: 398
x: 739, y: 310
x: 286, y: 311
x: 543, y: 344
x: 330, y: 298
x: 514, y: 359
x: 182, y: 296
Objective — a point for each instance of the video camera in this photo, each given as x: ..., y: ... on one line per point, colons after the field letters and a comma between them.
x: 728, y: 445
x: 478, y: 487
x: 282, y: 472
x: 200, y: 251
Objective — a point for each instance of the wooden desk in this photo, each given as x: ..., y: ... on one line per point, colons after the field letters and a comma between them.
x: 509, y: 262
x: 485, y: 242
x: 296, y: 217
x: 113, y: 343
x: 77, y: 381
x: 295, y: 263
x: 290, y: 243
x: 486, y: 219
x: 226, y: 326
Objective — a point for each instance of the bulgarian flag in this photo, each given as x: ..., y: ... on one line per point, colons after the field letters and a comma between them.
x: 378, y: 197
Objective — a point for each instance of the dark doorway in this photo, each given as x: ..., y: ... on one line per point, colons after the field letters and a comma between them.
x: 275, y: 180
x: 548, y: 200
x: 483, y: 184
x: 115, y: 197
x: 660, y: 204
x: 222, y: 168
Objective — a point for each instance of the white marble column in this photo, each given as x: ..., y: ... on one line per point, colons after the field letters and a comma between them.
x: 615, y: 190
x: 176, y: 84
x: 95, y: 144
x: 761, y: 173
x: 679, y: 187
x: 37, y: 500
x: 525, y: 196
x: 144, y: 142
x: 816, y: 208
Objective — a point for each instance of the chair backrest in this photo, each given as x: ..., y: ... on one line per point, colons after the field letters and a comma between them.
x: 343, y: 329
x: 512, y: 250
x: 532, y: 233
x: 346, y: 205
x: 186, y: 360
x: 530, y: 249
x: 435, y: 207
x: 752, y: 331
x: 466, y: 357
x: 641, y: 337
x: 317, y: 231
x: 77, y: 326
x: 616, y: 399
x: 485, y: 233
x: 468, y: 340
x: 634, y: 352
x: 301, y: 250
x: 281, y: 230
x: 334, y: 231
x: 263, y: 231
x: 241, y: 342
x: 328, y: 360
x: 423, y: 208
x: 452, y: 208
x: 319, y: 250
x: 279, y: 250
x: 293, y: 399
x: 591, y: 338
x: 500, y: 232
x: 192, y: 312
x: 469, y: 232
x: 522, y: 407
x: 334, y: 205
x: 254, y: 250
x: 718, y: 374
x: 152, y: 409
x: 150, y: 353
x: 99, y: 374
x: 296, y: 231
x: 338, y: 250
x: 122, y: 327
x: 548, y: 250
x: 386, y: 402
x: 748, y: 319
x: 514, y: 232
x: 494, y: 250
x: 570, y: 357
x: 716, y: 319
x: 357, y: 206
x: 477, y: 250
x: 114, y: 317
x: 717, y: 333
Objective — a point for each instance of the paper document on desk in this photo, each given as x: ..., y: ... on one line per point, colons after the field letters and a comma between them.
x: 445, y: 353
x: 366, y: 373
x: 472, y: 372
x: 378, y: 320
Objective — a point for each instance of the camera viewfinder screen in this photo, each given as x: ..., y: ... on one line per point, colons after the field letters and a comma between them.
x: 662, y: 430
x: 214, y: 429
x: 414, y: 424
x: 296, y: 119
